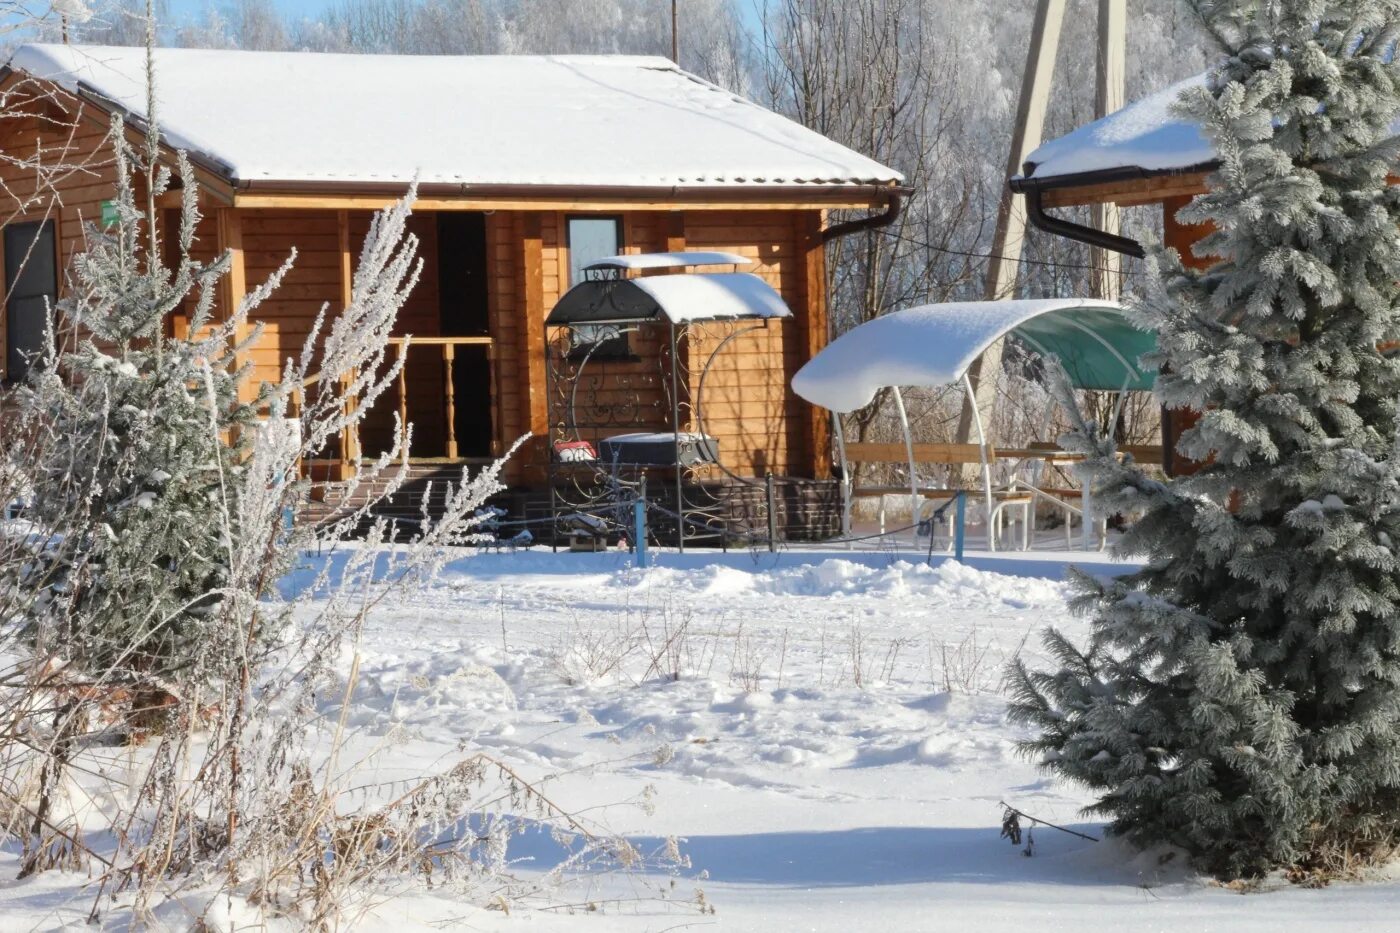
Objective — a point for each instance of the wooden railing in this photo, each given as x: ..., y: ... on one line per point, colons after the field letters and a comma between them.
x: 447, y: 351
x: 447, y: 347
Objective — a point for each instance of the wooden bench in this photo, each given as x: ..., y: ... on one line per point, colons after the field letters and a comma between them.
x: 1001, y: 504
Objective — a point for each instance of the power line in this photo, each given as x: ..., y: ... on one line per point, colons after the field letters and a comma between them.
x: 1029, y: 262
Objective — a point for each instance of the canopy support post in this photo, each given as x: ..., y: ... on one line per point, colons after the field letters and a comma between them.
x: 909, y: 450
x: 982, y: 453
x: 846, y: 481
x: 1118, y: 405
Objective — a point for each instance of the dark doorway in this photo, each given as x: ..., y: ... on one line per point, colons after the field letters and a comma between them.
x: 463, y: 312
x: 31, y: 287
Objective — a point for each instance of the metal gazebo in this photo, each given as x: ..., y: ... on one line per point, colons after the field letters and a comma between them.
x: 656, y: 404
x: 933, y: 346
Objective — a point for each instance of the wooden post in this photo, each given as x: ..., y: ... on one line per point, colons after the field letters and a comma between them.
x: 449, y: 355
x: 235, y: 286
x: 813, y: 328
x: 675, y: 34
x: 350, y: 438
x: 1010, y: 230
x: 1106, y: 277
x: 1175, y: 421
x: 400, y: 353
x: 531, y: 329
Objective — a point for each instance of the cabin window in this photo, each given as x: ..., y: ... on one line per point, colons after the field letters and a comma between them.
x: 31, y: 288
x: 591, y: 239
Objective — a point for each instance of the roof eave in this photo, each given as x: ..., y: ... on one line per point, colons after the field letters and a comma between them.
x: 267, y: 192
x: 1028, y: 181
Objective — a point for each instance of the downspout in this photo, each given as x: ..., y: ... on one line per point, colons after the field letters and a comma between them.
x: 1035, y: 213
x: 872, y: 222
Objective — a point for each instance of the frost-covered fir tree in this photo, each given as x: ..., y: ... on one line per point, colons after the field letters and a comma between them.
x: 1240, y: 695
x: 145, y: 435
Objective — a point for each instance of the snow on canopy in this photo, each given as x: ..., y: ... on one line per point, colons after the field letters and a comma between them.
x: 578, y: 121
x: 678, y: 299
x: 1144, y: 135
x: 681, y: 260
x: 933, y: 345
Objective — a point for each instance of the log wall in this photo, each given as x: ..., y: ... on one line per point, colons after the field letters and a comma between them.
x: 760, y: 424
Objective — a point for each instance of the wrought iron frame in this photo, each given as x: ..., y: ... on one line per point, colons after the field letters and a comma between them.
x: 585, y: 396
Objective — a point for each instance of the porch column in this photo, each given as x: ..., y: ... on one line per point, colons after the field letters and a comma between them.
x: 531, y: 309
x: 350, y: 439
x: 234, y: 287
x: 812, y: 323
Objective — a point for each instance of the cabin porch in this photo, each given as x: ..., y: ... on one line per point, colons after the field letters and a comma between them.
x: 473, y: 335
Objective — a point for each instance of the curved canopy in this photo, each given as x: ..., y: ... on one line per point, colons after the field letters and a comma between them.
x: 933, y: 345
x: 675, y: 298
x: 681, y: 260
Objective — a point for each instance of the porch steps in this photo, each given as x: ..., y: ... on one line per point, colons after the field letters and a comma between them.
x: 423, y: 484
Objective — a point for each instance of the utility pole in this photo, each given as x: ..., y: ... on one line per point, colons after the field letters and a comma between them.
x: 675, y: 34
x: 1106, y: 277
x: 1010, y: 228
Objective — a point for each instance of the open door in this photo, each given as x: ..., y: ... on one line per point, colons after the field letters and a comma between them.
x: 463, y: 312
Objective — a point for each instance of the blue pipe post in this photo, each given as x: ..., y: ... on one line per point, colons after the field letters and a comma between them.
x: 639, y: 525
x: 958, y: 527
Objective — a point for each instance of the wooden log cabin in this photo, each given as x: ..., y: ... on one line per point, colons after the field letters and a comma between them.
x: 528, y: 168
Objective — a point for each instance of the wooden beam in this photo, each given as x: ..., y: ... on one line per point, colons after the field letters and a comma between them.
x: 814, y: 326
x: 1129, y: 192
x: 350, y: 439
x: 1105, y: 279
x: 1183, y: 237
x: 1010, y: 229
x: 235, y: 284
x: 681, y: 202
x: 531, y: 332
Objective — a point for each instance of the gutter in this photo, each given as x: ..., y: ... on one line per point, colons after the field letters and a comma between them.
x: 1034, y: 188
x: 893, y: 206
x: 739, y: 193
x: 1102, y: 239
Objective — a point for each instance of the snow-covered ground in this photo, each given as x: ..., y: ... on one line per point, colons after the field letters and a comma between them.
x: 832, y: 753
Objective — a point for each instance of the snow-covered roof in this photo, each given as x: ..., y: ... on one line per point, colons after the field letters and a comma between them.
x: 933, y: 345
x: 1144, y: 135
x: 682, y: 260
x: 572, y: 121
x: 679, y: 299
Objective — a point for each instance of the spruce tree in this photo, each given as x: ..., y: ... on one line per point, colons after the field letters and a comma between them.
x: 1240, y: 695
x: 146, y: 435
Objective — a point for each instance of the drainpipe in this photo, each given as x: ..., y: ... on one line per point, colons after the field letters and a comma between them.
x: 1035, y: 213
x: 872, y: 222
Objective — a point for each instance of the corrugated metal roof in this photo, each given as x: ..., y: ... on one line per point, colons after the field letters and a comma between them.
x: 561, y: 121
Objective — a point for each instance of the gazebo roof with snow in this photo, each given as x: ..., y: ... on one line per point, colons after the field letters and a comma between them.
x: 933, y: 346
x: 604, y: 122
x: 673, y: 299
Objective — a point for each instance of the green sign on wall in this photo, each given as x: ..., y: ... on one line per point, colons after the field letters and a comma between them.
x: 109, y: 214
